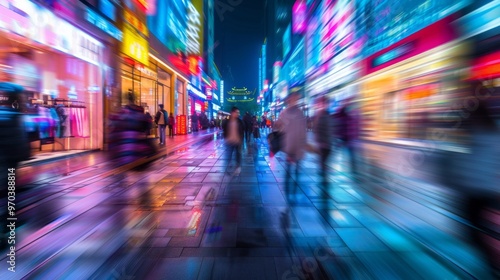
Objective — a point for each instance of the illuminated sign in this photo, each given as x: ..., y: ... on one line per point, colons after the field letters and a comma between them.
x: 287, y: 41
x: 393, y: 54
x: 143, y: 4
x: 296, y: 65
x: 197, y: 107
x: 194, y: 65
x: 135, y: 22
x: 181, y: 125
x: 108, y: 9
x: 196, y: 91
x: 222, y: 92
x: 169, y: 24
x: 39, y: 24
x: 134, y: 45
x: 481, y: 20
x: 195, y: 27
x: 16, y: 22
x: 276, y: 71
x: 395, y: 21
x: 103, y: 24
x: 264, y: 61
x: 299, y: 17
x: 209, y: 93
x: 216, y: 107
x: 260, y: 74
x: 313, y: 44
x: 146, y: 71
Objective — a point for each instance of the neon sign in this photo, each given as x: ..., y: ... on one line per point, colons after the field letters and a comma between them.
x: 196, y: 91
x: 194, y: 30
x: 103, y: 24
x: 299, y: 16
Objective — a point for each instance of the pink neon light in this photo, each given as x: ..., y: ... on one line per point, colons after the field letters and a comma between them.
x: 299, y: 16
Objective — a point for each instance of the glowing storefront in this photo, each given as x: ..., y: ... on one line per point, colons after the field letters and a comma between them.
x: 59, y: 66
x: 144, y: 73
x: 409, y: 79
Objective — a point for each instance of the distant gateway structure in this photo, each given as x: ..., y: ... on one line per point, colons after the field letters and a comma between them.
x: 240, y: 95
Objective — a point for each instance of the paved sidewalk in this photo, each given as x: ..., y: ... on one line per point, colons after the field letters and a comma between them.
x: 92, y: 162
x: 189, y: 216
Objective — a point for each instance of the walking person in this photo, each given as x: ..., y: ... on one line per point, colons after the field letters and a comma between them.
x: 161, y: 119
x: 323, y: 134
x: 233, y: 131
x: 171, y: 125
x: 475, y: 176
x: 194, y: 122
x: 247, y: 120
x: 347, y: 132
x: 292, y: 124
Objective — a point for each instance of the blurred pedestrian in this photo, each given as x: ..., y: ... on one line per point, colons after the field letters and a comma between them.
x: 247, y: 121
x: 128, y: 141
x: 323, y: 133
x: 292, y: 124
x: 171, y: 125
x: 233, y: 131
x: 347, y: 132
x: 255, y: 129
x: 14, y: 148
x: 476, y: 176
x: 263, y: 122
x: 194, y: 122
x: 150, y: 123
x: 161, y: 119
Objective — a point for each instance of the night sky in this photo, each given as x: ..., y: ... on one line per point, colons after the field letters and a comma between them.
x: 239, y: 34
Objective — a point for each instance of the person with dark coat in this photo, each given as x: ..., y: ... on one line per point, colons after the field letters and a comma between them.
x: 347, y: 130
x: 233, y: 132
x: 128, y: 141
x: 194, y: 122
x: 247, y: 121
x: 475, y: 175
x: 14, y: 148
x: 323, y: 135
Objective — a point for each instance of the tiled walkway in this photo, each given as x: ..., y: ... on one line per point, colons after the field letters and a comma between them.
x: 190, y: 217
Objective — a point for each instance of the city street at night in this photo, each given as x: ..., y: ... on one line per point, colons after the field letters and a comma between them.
x: 249, y: 139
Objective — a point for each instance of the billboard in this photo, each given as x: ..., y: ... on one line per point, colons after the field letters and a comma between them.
x: 195, y: 27
x: 287, y: 41
x: 134, y: 45
x: 299, y: 15
x: 390, y: 21
x: 169, y: 24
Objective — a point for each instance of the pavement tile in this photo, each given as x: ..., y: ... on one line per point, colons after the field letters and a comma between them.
x: 361, y: 240
x: 176, y: 268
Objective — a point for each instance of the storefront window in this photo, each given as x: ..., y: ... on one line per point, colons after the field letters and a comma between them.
x: 61, y: 102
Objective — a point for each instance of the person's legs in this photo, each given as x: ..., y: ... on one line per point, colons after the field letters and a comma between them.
x: 324, y: 155
x: 238, y: 155
x: 229, y: 153
x: 162, y: 133
x: 351, y: 150
x: 288, y: 178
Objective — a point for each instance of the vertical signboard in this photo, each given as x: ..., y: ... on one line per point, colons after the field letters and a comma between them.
x: 195, y: 27
x: 264, y: 68
x: 181, y: 125
x: 299, y: 17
